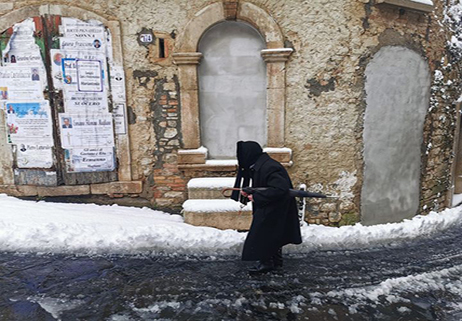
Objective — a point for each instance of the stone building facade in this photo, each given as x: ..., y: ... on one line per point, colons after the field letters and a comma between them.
x: 360, y: 101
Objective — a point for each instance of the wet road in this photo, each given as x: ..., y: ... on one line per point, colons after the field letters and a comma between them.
x: 418, y: 280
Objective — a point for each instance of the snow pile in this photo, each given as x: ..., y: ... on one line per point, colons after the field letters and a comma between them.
x: 319, y: 237
x: 447, y: 280
x: 93, y: 229
x: 28, y: 226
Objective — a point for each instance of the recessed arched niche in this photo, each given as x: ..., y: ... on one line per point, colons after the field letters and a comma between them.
x: 232, y: 88
x: 398, y: 89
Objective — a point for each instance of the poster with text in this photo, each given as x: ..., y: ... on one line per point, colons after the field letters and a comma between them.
x: 84, y: 130
x: 20, y: 83
x: 89, y: 75
x: 29, y: 123
x: 90, y: 159
x: 120, y: 120
x: 34, y: 156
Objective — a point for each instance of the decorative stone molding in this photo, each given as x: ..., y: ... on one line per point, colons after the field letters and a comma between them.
x: 276, y: 55
x: 192, y: 156
x: 187, y: 58
x: 423, y: 6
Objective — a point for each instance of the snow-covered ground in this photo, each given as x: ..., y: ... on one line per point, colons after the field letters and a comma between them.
x: 28, y: 226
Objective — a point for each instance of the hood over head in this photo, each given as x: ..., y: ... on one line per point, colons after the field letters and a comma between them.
x: 247, y: 155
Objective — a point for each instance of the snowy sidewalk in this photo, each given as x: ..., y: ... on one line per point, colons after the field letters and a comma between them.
x: 28, y: 226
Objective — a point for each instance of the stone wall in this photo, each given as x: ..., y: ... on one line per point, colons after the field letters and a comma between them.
x: 333, y: 42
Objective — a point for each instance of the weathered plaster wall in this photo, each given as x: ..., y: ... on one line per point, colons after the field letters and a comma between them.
x: 333, y: 41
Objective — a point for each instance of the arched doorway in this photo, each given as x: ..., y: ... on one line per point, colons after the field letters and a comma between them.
x: 232, y: 88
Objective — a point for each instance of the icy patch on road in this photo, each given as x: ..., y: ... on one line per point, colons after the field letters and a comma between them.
x: 395, y: 290
x: 56, y: 306
x: 27, y: 226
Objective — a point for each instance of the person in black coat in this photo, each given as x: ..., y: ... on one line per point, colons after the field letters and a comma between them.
x: 275, y: 220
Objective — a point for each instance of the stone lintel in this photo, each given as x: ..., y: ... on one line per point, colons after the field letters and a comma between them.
x: 276, y: 55
x: 408, y: 4
x: 127, y: 187
x: 63, y: 190
x: 187, y: 58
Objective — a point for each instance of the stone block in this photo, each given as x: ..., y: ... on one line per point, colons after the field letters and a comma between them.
x: 220, y: 220
x: 205, y: 193
x: 191, y: 158
x: 282, y: 157
x: 43, y: 191
x: 19, y: 190
x: 130, y: 187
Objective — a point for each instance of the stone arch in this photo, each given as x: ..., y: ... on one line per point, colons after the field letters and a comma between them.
x: 214, y: 13
x: 15, y: 16
x: 187, y: 58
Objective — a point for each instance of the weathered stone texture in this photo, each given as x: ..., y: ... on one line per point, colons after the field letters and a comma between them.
x: 332, y: 40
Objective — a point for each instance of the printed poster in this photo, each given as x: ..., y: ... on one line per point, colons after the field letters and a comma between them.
x: 90, y: 159
x: 118, y: 83
x: 84, y: 130
x: 20, y: 83
x: 34, y: 156
x: 29, y: 123
x: 89, y: 75
x: 120, y: 120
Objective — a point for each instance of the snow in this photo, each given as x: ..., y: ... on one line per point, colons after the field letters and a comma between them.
x: 28, y: 226
x: 277, y: 150
x: 226, y: 205
x: 222, y: 162
x: 211, y: 182
x: 428, y: 2
x: 456, y: 199
x: 200, y: 150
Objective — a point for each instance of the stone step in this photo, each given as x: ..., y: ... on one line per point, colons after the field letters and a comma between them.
x: 209, y: 187
x: 222, y: 214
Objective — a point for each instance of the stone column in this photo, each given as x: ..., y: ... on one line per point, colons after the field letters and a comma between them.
x: 187, y: 69
x: 276, y: 100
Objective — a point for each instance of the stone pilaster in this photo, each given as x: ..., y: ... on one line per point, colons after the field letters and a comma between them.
x: 276, y: 72
x: 187, y: 69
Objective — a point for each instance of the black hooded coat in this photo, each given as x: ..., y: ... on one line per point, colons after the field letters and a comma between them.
x: 275, y: 217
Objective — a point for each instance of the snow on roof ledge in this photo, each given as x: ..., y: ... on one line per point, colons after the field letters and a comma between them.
x: 418, y: 5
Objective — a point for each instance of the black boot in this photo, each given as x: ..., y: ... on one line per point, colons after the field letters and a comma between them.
x: 277, y: 259
x: 262, y: 267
